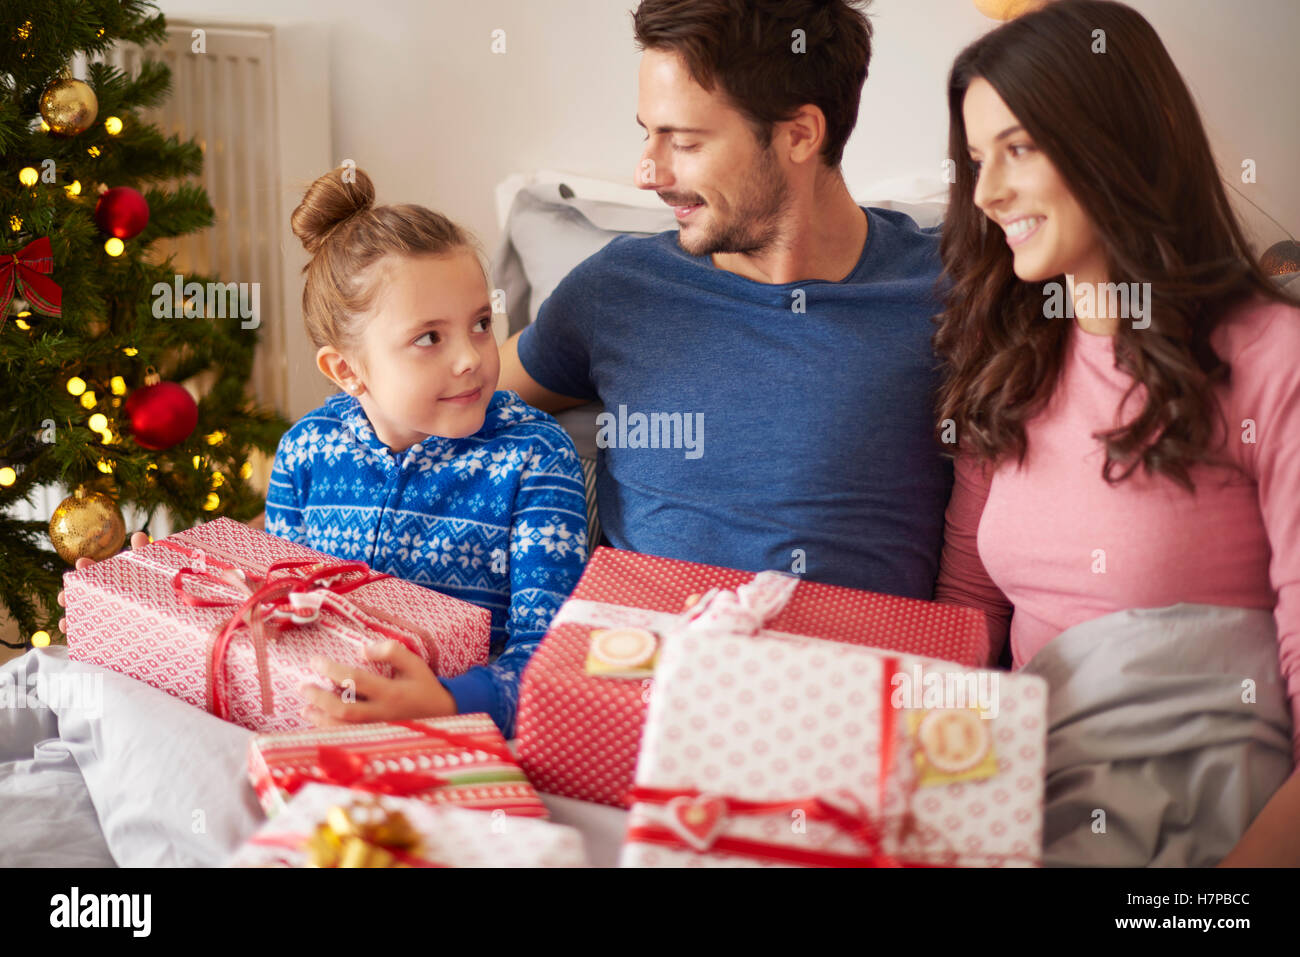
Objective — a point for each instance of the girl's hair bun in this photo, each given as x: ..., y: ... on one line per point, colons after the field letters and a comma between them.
x: 330, y: 201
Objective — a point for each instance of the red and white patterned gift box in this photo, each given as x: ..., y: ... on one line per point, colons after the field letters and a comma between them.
x: 579, y: 733
x: 760, y: 752
x: 227, y: 618
x: 448, y: 836
x: 458, y: 760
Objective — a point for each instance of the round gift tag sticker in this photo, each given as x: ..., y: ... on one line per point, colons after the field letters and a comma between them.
x: 954, y: 740
x: 622, y: 647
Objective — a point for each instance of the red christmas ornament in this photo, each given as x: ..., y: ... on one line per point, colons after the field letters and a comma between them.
x: 161, y: 413
x: 122, y: 212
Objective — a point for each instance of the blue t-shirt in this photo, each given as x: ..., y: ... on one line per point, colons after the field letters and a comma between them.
x: 813, y: 400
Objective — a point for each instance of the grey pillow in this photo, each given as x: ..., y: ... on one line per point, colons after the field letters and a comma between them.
x: 548, y: 232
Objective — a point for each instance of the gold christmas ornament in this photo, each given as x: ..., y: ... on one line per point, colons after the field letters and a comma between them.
x: 87, y: 525
x: 69, y: 106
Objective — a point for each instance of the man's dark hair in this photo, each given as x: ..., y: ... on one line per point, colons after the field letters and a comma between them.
x: 748, y: 49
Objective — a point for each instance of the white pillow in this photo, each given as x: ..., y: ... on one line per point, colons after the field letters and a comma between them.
x: 169, y: 782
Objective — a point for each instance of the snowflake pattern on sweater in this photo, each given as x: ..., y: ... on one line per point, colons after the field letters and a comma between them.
x: 497, y: 518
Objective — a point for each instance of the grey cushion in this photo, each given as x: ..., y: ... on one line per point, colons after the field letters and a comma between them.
x: 548, y: 232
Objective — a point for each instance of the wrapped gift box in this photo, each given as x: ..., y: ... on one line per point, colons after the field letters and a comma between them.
x: 196, y: 615
x: 459, y: 760
x: 579, y: 732
x: 763, y: 752
x: 443, y: 836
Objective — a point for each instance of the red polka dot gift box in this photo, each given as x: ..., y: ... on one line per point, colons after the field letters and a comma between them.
x: 761, y: 752
x: 329, y: 826
x: 579, y: 727
x: 458, y: 760
x: 227, y: 618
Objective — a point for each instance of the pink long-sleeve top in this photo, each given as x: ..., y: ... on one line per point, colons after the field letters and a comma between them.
x: 1053, y: 541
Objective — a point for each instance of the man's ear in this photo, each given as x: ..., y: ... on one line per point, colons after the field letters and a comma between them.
x: 338, y: 370
x: 806, y: 133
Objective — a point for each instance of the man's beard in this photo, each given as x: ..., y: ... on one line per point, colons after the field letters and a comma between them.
x: 755, y: 222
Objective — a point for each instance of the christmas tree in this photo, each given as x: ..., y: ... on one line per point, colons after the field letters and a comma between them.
x: 96, y: 332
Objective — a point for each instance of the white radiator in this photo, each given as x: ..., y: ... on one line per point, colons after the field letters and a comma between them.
x: 256, y: 100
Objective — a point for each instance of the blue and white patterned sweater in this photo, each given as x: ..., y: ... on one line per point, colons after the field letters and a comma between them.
x: 497, y: 518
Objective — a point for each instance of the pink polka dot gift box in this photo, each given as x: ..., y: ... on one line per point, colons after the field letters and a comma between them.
x: 458, y: 760
x: 760, y: 752
x: 227, y: 618
x: 583, y: 697
x: 330, y: 826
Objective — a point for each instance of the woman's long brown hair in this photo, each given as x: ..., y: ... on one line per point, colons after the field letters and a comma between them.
x: 1122, y: 130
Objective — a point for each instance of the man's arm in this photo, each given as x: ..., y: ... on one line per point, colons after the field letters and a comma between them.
x: 516, y: 378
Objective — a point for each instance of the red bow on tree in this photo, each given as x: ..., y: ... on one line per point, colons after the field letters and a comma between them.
x: 28, y: 269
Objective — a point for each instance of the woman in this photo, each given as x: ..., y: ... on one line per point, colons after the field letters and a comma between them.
x: 1120, y: 375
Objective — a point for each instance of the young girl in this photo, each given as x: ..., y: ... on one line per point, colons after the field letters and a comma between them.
x: 1164, y: 437
x: 419, y: 467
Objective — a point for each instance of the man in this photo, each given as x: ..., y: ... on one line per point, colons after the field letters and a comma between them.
x: 778, y: 341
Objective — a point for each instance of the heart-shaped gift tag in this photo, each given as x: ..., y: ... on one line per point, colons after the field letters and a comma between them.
x: 697, y: 820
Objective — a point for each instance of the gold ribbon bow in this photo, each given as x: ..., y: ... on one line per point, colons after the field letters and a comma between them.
x: 364, y: 835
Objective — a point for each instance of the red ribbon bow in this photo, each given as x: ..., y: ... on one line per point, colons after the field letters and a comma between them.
x: 291, y: 598
x: 27, y: 270
x: 342, y: 767
x: 347, y: 769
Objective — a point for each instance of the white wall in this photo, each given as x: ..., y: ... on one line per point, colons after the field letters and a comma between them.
x: 420, y: 102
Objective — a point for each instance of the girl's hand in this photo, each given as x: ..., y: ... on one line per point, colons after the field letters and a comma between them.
x: 413, y: 691
x: 138, y: 540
